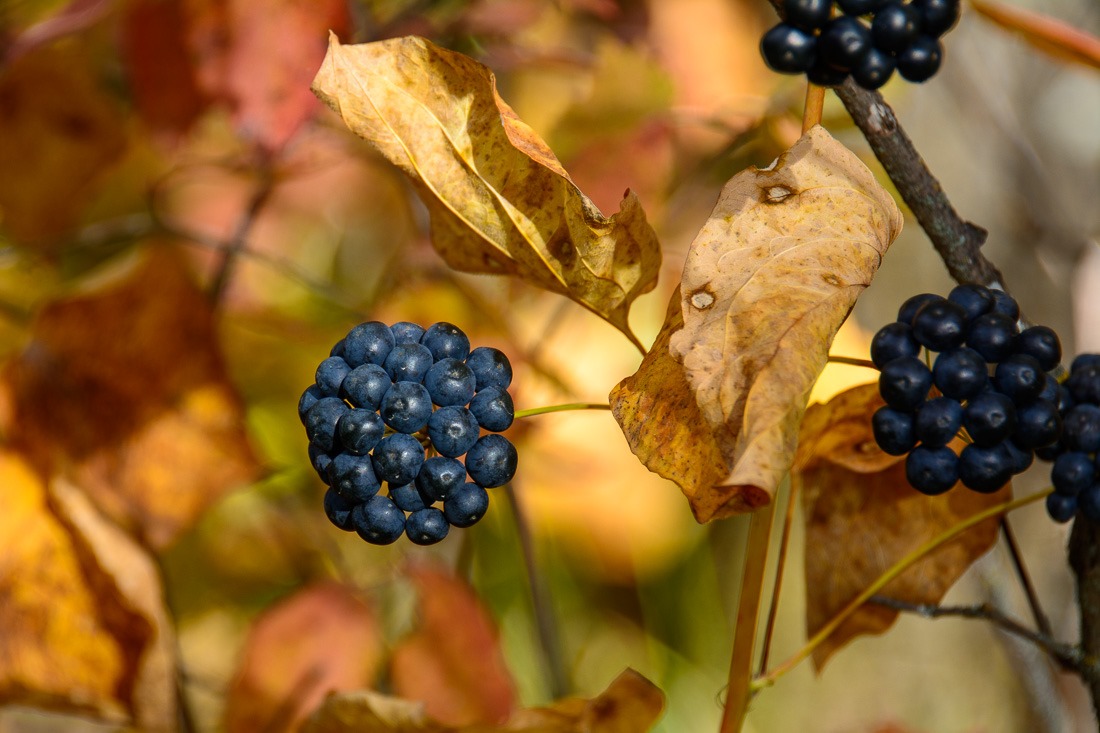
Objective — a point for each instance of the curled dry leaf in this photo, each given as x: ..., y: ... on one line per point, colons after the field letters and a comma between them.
x: 631, y: 704
x: 499, y: 199
x: 862, y: 517
x: 1049, y: 35
x: 768, y: 281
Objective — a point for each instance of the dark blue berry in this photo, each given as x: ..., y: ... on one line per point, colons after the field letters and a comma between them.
x: 378, y: 521
x: 807, y: 14
x: 894, y: 27
x: 493, y: 409
x: 1050, y: 452
x: 446, y: 340
x: 408, y: 363
x: 366, y: 385
x: 406, y: 407
x: 490, y: 366
x: 1005, y: 304
x: 976, y: 300
x: 1022, y: 458
x: 1084, y: 382
x: 492, y: 461
x: 788, y: 50
x: 991, y: 335
x: 893, y: 341
x: 368, y: 343
x: 874, y: 69
x: 439, y: 476
x: 940, y: 325
x: 397, y: 458
x: 452, y: 430
x: 843, y: 43
x: 938, y: 421
x: 1081, y: 429
x: 1072, y: 473
x: 931, y: 471
x: 406, y: 497
x: 921, y: 59
x: 861, y: 7
x: 894, y: 431
x: 910, y: 307
x: 407, y: 333
x: 960, y: 373
x: 320, y: 460
x: 1042, y: 343
x: 330, y: 375
x: 338, y: 510
x: 1061, y: 507
x: 427, y: 526
x: 337, y: 349
x: 466, y: 505
x: 904, y: 383
x: 985, y: 469
x: 307, y: 400
x: 1089, y: 503
x: 1084, y: 360
x: 352, y: 477
x: 321, y: 421
x: 360, y: 430
x: 824, y: 75
x: 1038, y: 424
x: 989, y: 418
x: 1052, y: 391
x: 450, y: 383
x: 937, y: 16
x: 1020, y: 377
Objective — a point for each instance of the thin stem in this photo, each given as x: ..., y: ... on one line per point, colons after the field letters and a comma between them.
x: 784, y: 543
x: 531, y: 411
x: 1025, y: 579
x: 890, y: 574
x: 239, y: 240
x: 815, y: 103
x: 852, y: 361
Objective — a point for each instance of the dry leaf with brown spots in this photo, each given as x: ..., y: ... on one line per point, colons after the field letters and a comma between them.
x: 122, y: 389
x: 81, y: 605
x: 862, y: 516
x: 631, y: 704
x: 768, y: 281
x: 499, y: 199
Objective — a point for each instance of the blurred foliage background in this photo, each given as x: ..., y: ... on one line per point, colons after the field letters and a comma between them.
x: 185, y: 128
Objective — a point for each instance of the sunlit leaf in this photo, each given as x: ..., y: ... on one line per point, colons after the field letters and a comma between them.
x: 499, y: 199
x: 716, y: 404
x: 1049, y: 35
x: 862, y: 516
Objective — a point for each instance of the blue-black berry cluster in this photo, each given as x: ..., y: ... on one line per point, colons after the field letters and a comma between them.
x: 867, y: 40
x: 988, y: 380
x: 406, y: 406
x: 1076, y: 455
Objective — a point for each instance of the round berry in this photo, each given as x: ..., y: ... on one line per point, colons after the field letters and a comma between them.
x: 397, y: 458
x: 1052, y: 391
x: 1006, y: 304
x: 1050, y: 452
x: 932, y: 471
x: 360, y: 430
x: 408, y: 362
x: 352, y: 477
x: 378, y: 521
x: 874, y: 69
x: 844, y: 42
x: 308, y: 399
x: 1083, y: 384
x: 937, y: 16
x: 1041, y: 343
x: 439, y: 476
x: 910, y: 307
x: 1038, y: 424
x: 450, y: 382
x: 992, y: 336
x: 904, y: 383
x: 366, y: 385
x: 974, y: 299
x: 938, y: 421
x: 1084, y: 360
x: 492, y: 461
x: 893, y: 341
x: 368, y: 343
x: 940, y: 325
x: 321, y: 421
x: 490, y: 366
x: 320, y: 460
x: 1072, y: 473
x: 452, y: 430
x: 406, y: 407
x: 466, y: 505
x: 788, y: 50
x: 1061, y: 507
x: 894, y: 431
x: 406, y: 333
x: 824, y: 75
x: 330, y: 375
x: 985, y: 469
x: 1020, y: 377
x: 960, y: 373
x: 446, y: 340
x: 427, y: 526
x: 1022, y: 458
x: 338, y: 510
x: 407, y: 498
x: 338, y: 349
x: 894, y: 27
x: 808, y: 15
x: 921, y: 59
x: 1081, y: 429
x: 861, y: 7
x: 989, y: 418
x: 493, y: 409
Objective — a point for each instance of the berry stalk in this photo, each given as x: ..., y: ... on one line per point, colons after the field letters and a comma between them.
x: 532, y: 411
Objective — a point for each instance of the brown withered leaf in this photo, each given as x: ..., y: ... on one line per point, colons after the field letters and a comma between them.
x: 767, y: 283
x: 453, y: 661
x: 862, y: 517
x: 81, y: 605
x: 631, y: 704
x: 1054, y: 37
x: 499, y: 199
x: 122, y: 389
x: 323, y: 638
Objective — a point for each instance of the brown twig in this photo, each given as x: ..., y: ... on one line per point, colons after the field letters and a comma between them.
x: 1025, y: 579
x: 1084, y: 558
x: 262, y: 192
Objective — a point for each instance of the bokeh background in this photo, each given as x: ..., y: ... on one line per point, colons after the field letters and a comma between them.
x: 182, y: 132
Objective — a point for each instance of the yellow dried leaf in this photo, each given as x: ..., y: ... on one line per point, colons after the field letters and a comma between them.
x: 499, y: 199
x: 768, y: 281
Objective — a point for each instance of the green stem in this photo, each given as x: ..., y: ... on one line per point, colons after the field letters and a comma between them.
x: 561, y: 408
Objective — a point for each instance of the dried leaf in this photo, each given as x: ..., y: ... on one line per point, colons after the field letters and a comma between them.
x: 81, y: 605
x: 862, y: 517
x: 453, y: 662
x: 122, y: 389
x: 631, y: 704
x: 324, y: 638
x: 716, y: 404
x: 1049, y: 35
x: 500, y: 201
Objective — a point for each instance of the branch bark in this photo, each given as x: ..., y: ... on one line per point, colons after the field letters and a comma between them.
x: 1084, y: 558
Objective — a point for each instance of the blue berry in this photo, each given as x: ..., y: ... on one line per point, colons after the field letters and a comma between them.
x: 1061, y: 508
x: 938, y: 421
x: 452, y: 430
x: 320, y: 460
x: 937, y: 16
x: 408, y: 363
x: 1041, y: 343
x: 991, y: 335
x: 330, y: 375
x: 921, y: 59
x: 492, y: 461
x: 931, y: 471
x: 406, y: 497
x: 490, y: 366
x: 1021, y: 458
x: 1005, y: 304
x: 427, y: 526
x: 807, y: 14
x: 378, y: 521
x: 321, y: 421
x: 360, y: 430
x: 940, y: 325
x: 493, y: 409
x: 824, y: 75
x: 352, y: 477
x: 894, y: 431
x: 307, y: 400
x: 397, y: 458
x: 368, y: 343
x: 446, y: 340
x: 407, y: 333
x: 894, y: 27
x: 893, y: 341
x: 788, y: 50
x: 439, y: 476
x: 913, y: 304
x: 1052, y: 391
x: 1038, y: 424
x: 338, y: 349
x: 985, y: 469
x: 904, y: 383
x: 1072, y: 473
x: 366, y: 385
x: 976, y: 300
x: 989, y: 418
x: 843, y: 42
x: 1081, y: 429
x: 406, y: 407
x: 960, y: 373
x: 861, y: 7
x: 450, y: 383
x: 466, y: 505
x: 338, y: 510
x: 874, y: 69
x: 1020, y: 378
x: 1082, y: 361
x: 1084, y: 381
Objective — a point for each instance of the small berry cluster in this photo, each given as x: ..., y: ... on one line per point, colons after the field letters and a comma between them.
x: 895, y: 35
x: 385, y: 397
x: 1076, y: 455
x: 991, y: 380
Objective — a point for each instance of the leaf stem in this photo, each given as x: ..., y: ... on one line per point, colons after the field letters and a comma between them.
x: 815, y: 103
x: 890, y: 574
x: 532, y: 411
x: 784, y: 543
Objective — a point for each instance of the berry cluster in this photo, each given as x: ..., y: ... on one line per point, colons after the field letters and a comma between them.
x: 990, y: 379
x: 385, y: 397
x: 1076, y: 455
x: 868, y: 40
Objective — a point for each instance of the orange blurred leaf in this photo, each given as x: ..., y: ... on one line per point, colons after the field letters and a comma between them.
x: 81, y: 607
x: 631, y: 704
x: 453, y: 662
x: 1049, y: 35
x: 122, y: 389
x: 322, y: 639
x: 716, y: 404
x: 500, y: 200
x: 862, y: 517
